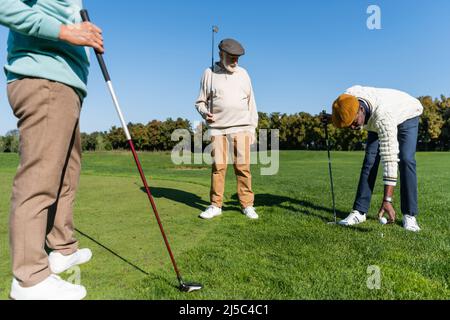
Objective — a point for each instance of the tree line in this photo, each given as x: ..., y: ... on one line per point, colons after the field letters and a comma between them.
x: 299, y: 131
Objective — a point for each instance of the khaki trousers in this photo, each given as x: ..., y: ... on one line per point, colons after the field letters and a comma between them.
x: 47, y: 178
x: 239, y: 143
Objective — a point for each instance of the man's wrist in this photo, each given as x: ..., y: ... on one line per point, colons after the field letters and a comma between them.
x: 388, y: 200
x: 62, y: 33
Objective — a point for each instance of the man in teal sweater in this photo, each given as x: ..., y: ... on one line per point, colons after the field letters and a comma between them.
x: 47, y: 70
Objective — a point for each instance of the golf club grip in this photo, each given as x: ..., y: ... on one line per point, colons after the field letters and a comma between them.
x: 85, y: 17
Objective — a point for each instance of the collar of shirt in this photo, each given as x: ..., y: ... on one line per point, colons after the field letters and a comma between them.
x: 367, y: 110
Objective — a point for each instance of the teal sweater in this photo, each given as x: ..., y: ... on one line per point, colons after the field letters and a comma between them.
x: 33, y: 46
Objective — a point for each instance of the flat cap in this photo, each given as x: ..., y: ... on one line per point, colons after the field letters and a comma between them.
x: 232, y: 47
x: 345, y: 109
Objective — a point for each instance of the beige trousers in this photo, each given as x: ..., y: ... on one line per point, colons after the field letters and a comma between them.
x: 47, y: 178
x: 239, y: 144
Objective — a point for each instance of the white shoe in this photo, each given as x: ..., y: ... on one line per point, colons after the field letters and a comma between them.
x: 60, y: 263
x: 52, y: 288
x: 250, y: 212
x: 354, y: 219
x: 410, y: 223
x: 211, y: 213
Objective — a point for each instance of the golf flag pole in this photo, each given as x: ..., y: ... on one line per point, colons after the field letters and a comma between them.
x: 330, y: 168
x: 183, y: 286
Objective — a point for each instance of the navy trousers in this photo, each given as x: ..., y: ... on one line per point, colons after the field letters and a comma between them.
x: 407, y: 138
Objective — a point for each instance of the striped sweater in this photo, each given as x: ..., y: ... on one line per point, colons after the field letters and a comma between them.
x: 390, y: 108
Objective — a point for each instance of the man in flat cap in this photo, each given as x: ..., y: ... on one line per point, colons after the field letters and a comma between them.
x: 392, y: 119
x: 227, y: 103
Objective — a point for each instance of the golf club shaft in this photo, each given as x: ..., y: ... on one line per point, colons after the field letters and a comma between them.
x: 85, y: 17
x: 331, y: 171
x: 211, y: 94
x: 212, y: 47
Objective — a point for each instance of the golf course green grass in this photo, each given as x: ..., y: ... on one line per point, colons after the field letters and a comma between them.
x: 291, y: 253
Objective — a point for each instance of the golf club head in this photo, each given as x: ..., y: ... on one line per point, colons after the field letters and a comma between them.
x: 215, y: 29
x: 190, y: 287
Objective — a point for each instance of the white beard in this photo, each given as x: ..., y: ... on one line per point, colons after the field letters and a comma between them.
x: 229, y: 68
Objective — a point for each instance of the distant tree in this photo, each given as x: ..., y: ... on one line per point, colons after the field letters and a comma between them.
x: 10, y: 142
x: 101, y: 143
x: 300, y: 131
x: 154, y: 135
x: 89, y: 141
x: 431, y: 123
x: 168, y: 127
x: 444, y: 109
x: 116, y: 138
x: 140, y: 136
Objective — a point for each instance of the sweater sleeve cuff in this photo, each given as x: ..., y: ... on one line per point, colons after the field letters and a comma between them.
x: 50, y: 29
x: 390, y: 181
x: 202, y: 110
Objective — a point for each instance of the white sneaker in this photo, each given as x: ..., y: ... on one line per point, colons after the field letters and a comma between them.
x: 354, y: 219
x: 250, y: 212
x: 410, y: 223
x: 211, y: 213
x: 60, y: 263
x: 52, y: 288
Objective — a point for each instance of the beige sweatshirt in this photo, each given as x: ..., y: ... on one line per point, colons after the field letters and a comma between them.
x: 234, y: 106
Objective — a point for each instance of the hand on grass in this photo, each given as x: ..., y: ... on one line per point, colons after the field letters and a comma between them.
x: 388, y: 208
x: 83, y: 34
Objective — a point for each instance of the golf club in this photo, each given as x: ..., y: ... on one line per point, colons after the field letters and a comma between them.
x: 215, y: 29
x: 325, y: 117
x: 185, y: 287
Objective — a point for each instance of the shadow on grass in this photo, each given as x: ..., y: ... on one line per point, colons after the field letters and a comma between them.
x: 297, y: 207
x: 262, y: 200
x: 290, y: 204
x: 113, y: 253
x: 180, y: 196
x: 150, y: 276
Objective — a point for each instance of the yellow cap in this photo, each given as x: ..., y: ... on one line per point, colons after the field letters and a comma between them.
x: 345, y: 109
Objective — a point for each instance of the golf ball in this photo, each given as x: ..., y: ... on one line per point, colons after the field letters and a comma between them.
x: 383, y: 221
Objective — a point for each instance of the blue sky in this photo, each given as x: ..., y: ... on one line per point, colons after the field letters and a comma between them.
x: 300, y: 54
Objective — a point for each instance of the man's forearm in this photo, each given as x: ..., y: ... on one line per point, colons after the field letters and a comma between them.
x: 19, y: 17
x: 388, y: 192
